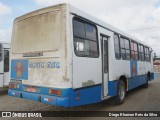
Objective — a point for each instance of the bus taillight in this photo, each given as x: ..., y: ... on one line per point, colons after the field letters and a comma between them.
x: 55, y: 92
x: 12, y: 86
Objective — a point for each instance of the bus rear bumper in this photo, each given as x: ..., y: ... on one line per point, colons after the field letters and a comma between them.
x: 52, y: 100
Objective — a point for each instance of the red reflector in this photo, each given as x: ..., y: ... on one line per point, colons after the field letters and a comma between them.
x: 49, y: 100
x: 12, y: 86
x: 56, y: 92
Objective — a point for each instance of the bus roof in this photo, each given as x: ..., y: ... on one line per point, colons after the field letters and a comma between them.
x: 75, y: 11
x: 78, y: 12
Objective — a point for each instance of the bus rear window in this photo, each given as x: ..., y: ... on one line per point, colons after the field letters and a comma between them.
x: 41, y: 32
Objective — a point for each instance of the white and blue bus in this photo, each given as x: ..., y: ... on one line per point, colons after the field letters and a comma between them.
x: 62, y: 56
x: 4, y: 65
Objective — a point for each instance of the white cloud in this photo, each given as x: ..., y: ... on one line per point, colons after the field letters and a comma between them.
x: 4, y: 9
x: 5, y: 35
x: 124, y: 14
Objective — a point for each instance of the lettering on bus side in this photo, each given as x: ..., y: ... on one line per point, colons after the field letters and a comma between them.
x: 51, y: 64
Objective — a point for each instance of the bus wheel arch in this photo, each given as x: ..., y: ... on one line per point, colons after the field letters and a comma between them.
x: 124, y: 79
x: 121, y: 90
x: 148, y: 78
x: 149, y: 75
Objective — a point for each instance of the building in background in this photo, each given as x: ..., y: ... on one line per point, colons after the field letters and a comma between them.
x: 157, y: 64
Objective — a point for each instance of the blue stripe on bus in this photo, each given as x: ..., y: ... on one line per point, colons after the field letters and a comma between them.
x: 70, y: 97
x: 52, y: 100
x: 31, y: 96
x: 14, y: 93
x: 136, y: 81
x: 65, y: 92
x: 133, y: 82
x: 74, y: 97
x: 86, y: 95
x: 112, y: 88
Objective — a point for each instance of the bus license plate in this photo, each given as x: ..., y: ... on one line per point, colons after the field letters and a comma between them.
x: 30, y: 89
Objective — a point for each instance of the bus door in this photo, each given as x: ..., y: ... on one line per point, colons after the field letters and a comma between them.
x: 1, y: 66
x: 6, y: 75
x: 104, y: 52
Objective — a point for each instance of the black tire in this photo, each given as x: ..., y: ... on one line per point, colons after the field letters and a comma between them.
x: 121, y: 93
x: 146, y: 84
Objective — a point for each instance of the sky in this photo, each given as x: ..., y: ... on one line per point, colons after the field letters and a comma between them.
x: 139, y: 18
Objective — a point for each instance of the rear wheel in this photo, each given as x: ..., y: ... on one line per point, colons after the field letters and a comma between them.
x: 147, y: 79
x: 121, y: 93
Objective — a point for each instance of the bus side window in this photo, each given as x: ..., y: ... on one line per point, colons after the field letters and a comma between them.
x: 85, y: 39
x: 134, y: 51
x: 125, y: 48
x: 141, y: 53
x: 147, y: 54
x: 150, y: 54
x: 6, y: 60
x: 1, y: 52
x: 117, y: 46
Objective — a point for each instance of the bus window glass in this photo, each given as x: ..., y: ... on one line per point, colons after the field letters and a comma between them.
x: 141, y: 53
x: 135, y: 46
x: 105, y: 56
x: 126, y: 44
x: 127, y: 54
x: 6, y: 61
x: 136, y: 55
x: 85, y: 39
x: 123, y: 54
x: 150, y: 53
x: 79, y: 29
x: 147, y: 54
x: 134, y: 52
x: 116, y: 46
x: 90, y: 32
x: 93, y: 49
x: 122, y: 42
x: 132, y: 46
x: 125, y: 49
x: 79, y: 46
x: 1, y: 51
x: 87, y: 48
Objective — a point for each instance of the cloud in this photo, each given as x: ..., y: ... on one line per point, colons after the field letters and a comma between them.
x: 124, y: 14
x: 4, y: 9
x: 5, y: 35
